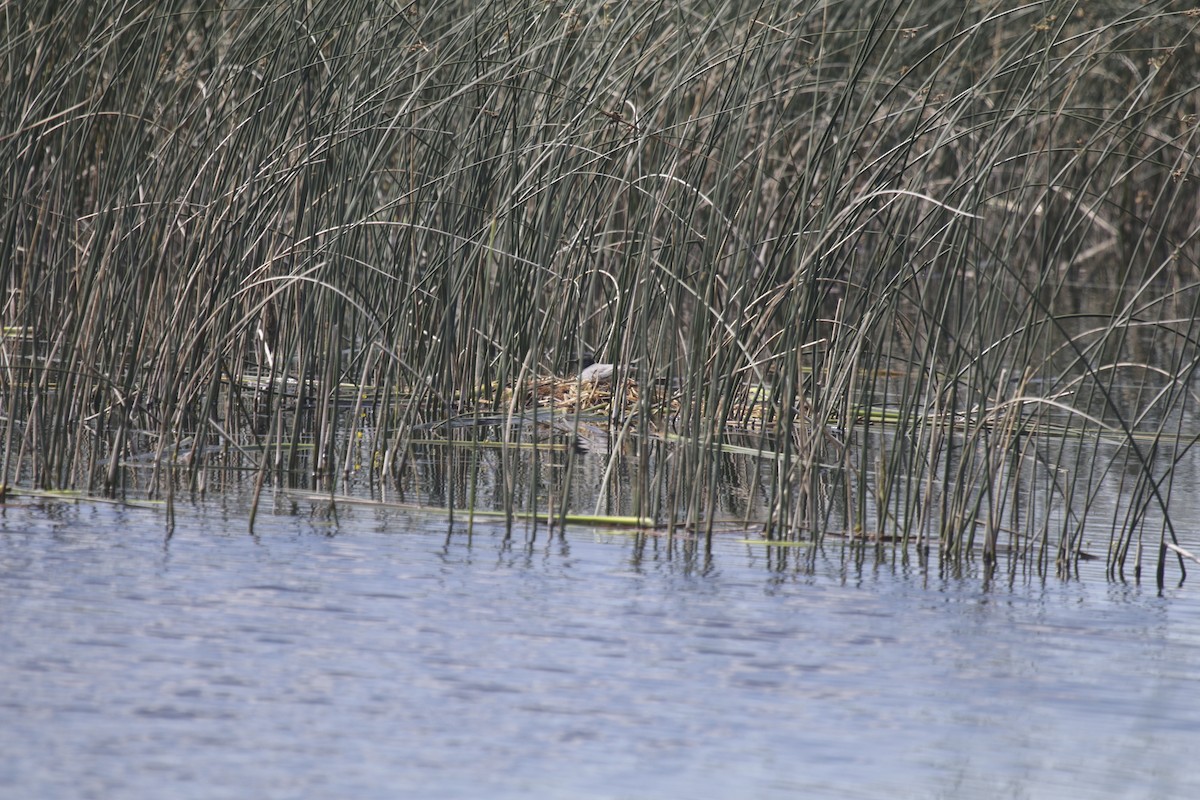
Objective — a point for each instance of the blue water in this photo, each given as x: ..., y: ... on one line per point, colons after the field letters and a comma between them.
x: 383, y: 656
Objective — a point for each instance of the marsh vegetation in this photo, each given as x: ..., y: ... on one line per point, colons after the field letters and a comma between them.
x: 922, y: 274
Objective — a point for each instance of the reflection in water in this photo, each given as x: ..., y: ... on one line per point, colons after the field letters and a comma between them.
x: 383, y: 656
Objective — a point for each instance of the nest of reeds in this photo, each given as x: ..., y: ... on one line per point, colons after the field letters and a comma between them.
x: 572, y: 395
x: 750, y: 409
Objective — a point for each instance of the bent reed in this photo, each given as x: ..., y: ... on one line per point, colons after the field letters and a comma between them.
x: 936, y: 262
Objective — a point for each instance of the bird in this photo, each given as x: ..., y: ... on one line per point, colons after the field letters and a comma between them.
x: 598, y: 374
x: 593, y: 373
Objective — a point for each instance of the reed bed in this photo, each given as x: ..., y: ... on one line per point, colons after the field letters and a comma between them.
x: 936, y: 262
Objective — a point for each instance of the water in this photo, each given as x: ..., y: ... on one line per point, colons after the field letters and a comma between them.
x: 382, y: 656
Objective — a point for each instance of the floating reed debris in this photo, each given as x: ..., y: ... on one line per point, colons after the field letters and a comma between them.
x: 932, y: 265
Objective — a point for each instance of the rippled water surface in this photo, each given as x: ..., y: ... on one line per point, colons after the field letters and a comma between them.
x: 382, y: 656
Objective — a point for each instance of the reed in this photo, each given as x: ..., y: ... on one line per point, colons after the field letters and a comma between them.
x: 929, y: 270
